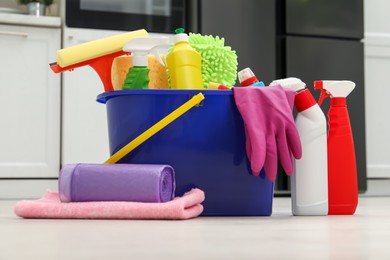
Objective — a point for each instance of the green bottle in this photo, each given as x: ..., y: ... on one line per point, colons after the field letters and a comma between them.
x: 137, y: 78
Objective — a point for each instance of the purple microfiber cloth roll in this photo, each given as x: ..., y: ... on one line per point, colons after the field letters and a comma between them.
x: 116, y: 182
x: 49, y: 206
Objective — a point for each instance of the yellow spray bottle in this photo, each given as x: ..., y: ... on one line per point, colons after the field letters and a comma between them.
x: 184, y: 64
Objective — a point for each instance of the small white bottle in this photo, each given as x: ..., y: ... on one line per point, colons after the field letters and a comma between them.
x: 309, y: 183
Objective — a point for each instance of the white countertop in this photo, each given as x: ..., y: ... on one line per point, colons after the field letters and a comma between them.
x: 30, y: 20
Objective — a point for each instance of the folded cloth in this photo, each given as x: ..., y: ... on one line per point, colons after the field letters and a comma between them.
x: 270, y: 130
x: 116, y: 182
x: 49, y: 206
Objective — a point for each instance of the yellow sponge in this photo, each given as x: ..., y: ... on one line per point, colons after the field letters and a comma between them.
x: 157, y: 74
x: 94, y: 49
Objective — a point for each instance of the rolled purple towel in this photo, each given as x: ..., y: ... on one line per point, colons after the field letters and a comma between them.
x: 116, y: 182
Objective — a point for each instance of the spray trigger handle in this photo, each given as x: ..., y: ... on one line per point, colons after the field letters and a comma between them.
x: 141, y: 46
x: 155, y: 52
x: 324, y: 94
x: 318, y: 85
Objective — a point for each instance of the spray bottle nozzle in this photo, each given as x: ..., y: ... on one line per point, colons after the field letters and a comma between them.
x: 333, y: 88
x: 141, y: 46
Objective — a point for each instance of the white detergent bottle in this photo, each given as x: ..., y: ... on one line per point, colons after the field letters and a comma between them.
x: 309, y: 182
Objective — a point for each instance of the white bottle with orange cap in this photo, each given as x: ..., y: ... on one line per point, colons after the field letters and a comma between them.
x: 309, y: 183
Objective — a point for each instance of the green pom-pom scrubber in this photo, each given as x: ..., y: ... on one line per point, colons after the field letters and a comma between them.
x: 219, y: 62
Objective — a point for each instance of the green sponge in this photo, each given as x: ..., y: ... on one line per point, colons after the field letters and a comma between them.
x: 219, y: 62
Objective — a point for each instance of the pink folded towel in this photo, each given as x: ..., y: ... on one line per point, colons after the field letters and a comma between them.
x: 49, y: 206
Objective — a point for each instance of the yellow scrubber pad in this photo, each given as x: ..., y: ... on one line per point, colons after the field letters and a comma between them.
x: 94, y: 49
x: 157, y: 74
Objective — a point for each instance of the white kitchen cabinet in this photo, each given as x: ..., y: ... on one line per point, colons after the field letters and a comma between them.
x: 84, y: 123
x: 377, y: 67
x: 30, y: 102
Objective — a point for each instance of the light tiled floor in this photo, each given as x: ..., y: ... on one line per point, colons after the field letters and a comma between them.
x: 366, y: 235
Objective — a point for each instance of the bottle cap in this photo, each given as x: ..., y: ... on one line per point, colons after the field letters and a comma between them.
x: 304, y: 100
x: 246, y: 77
x: 292, y: 83
x: 180, y: 36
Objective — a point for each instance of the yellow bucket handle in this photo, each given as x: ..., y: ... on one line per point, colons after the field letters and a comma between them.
x: 195, y: 100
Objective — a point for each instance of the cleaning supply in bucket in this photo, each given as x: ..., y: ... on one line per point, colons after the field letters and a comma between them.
x: 49, y: 206
x: 184, y: 64
x: 158, y: 78
x: 246, y: 77
x: 116, y: 182
x: 270, y: 130
x: 309, y: 182
x: 216, y: 86
x: 138, y: 75
x: 98, y: 54
x: 342, y: 171
x: 219, y: 62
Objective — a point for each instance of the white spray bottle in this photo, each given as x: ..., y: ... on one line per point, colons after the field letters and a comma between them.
x: 309, y: 183
x: 138, y: 75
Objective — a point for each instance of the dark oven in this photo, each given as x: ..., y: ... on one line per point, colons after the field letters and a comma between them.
x: 160, y: 16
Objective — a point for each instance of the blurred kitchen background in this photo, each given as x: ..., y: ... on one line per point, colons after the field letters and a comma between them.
x: 49, y: 120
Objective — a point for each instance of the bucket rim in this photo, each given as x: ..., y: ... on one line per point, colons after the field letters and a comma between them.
x: 105, y: 96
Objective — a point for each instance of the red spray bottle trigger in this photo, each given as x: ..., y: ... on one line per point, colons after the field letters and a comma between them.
x: 318, y: 85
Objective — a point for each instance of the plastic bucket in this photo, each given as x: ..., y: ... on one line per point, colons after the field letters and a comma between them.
x: 205, y: 146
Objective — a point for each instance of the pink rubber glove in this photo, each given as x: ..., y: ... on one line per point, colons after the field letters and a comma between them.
x: 270, y: 129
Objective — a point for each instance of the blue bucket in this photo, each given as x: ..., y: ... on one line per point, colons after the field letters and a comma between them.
x: 205, y: 146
